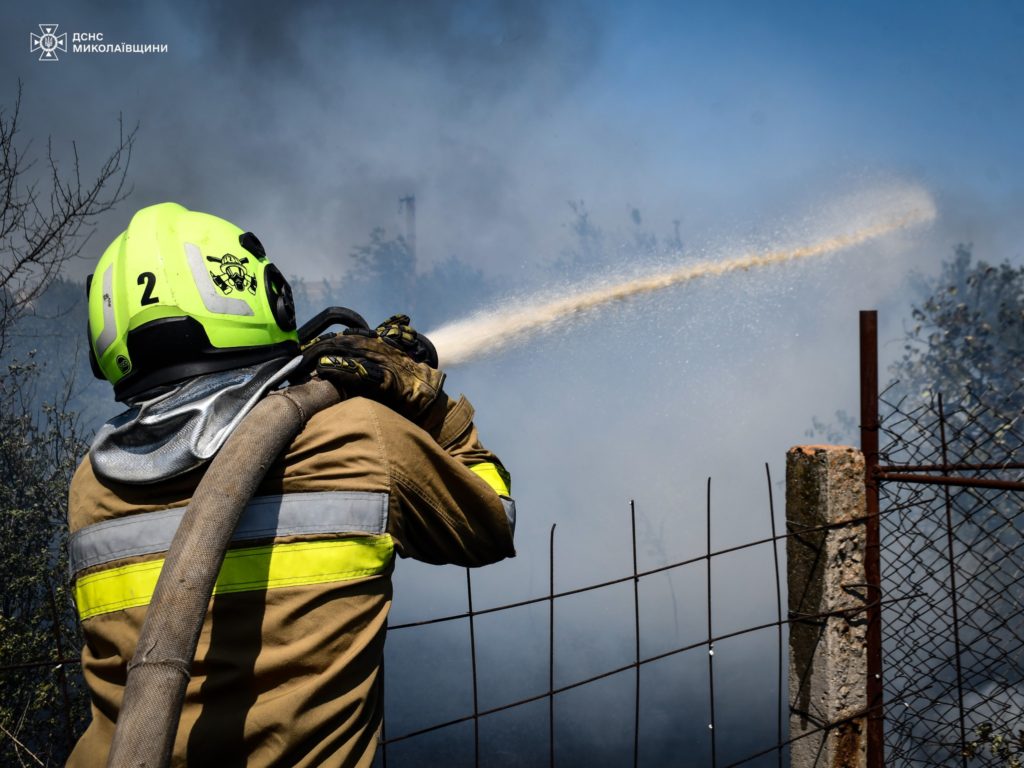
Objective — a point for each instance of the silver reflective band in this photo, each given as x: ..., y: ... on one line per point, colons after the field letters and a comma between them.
x: 510, y: 512
x: 109, y: 332
x: 212, y: 300
x: 264, y: 517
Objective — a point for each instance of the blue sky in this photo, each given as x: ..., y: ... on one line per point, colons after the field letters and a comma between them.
x: 768, y: 93
x: 708, y: 112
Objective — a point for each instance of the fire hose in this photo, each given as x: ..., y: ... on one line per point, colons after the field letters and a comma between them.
x: 159, y: 672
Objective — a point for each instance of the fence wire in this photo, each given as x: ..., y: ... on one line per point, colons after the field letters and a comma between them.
x: 773, y: 750
x: 770, y: 753
x: 951, y: 476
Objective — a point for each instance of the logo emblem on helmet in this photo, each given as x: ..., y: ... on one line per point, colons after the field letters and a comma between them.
x: 233, y: 276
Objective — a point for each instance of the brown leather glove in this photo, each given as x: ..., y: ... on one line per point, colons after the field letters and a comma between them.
x: 397, y: 331
x: 367, y: 366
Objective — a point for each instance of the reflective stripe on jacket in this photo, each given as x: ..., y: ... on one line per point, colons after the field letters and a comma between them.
x: 286, y: 671
x: 367, y: 549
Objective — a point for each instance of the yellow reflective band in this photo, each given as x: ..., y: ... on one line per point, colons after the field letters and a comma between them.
x: 244, y: 570
x: 495, y: 476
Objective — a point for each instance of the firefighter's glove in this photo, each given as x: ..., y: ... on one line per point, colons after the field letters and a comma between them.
x: 352, y: 375
x: 391, y: 377
x: 398, y: 332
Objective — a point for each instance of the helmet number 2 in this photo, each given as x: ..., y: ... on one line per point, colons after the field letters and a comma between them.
x: 149, y: 279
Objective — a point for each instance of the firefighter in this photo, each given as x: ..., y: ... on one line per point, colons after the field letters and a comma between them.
x: 193, y: 325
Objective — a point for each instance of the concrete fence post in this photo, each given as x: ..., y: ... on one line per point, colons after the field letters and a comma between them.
x: 825, y: 568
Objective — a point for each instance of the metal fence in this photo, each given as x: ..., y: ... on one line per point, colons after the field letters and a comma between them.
x: 948, y: 473
x: 704, y: 740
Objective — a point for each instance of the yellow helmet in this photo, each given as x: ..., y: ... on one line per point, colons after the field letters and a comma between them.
x: 180, y: 293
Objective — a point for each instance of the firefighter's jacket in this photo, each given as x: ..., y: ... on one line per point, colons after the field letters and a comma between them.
x: 287, y: 671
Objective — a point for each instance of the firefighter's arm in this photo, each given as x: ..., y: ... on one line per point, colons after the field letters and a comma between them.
x: 452, y: 494
x: 457, y: 434
x: 450, y: 498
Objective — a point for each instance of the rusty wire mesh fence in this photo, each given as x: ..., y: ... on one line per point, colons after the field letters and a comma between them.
x: 951, y: 476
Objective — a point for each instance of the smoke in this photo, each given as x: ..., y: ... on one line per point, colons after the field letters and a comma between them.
x: 307, y: 122
x: 866, y: 216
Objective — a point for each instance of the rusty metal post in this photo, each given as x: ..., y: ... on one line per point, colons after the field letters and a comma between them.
x: 869, y: 426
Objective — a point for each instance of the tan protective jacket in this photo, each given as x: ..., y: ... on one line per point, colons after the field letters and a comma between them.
x: 287, y: 668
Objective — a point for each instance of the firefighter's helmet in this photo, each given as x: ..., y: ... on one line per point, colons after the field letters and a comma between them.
x: 180, y: 293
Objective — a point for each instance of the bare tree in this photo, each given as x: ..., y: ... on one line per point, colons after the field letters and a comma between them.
x: 46, y: 213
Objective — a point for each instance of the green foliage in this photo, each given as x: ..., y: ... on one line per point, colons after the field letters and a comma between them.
x: 966, y: 345
x: 43, y: 705
x: 1005, y: 747
x: 966, y: 342
x: 968, y: 332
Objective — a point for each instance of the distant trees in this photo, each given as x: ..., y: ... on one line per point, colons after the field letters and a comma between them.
x: 46, y: 217
x: 968, y: 332
x: 965, y: 338
x: 43, y: 701
x: 385, y: 270
x: 592, y: 247
x: 965, y: 343
x: 386, y: 279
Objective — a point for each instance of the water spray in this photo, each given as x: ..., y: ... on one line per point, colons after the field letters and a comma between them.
x: 486, y: 332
